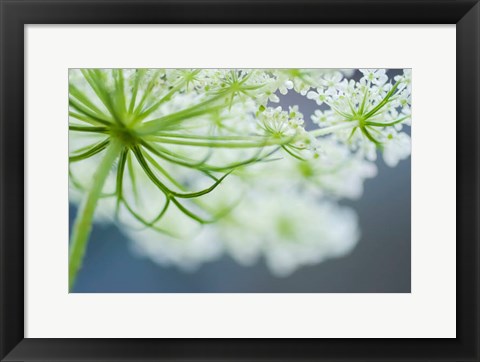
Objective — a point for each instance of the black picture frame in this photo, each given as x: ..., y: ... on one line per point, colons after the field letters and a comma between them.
x: 15, y: 14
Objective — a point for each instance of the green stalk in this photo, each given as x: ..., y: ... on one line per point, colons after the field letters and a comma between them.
x: 331, y: 129
x: 219, y: 144
x: 84, y: 219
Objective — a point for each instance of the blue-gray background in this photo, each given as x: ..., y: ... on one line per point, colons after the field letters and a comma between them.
x: 380, y: 263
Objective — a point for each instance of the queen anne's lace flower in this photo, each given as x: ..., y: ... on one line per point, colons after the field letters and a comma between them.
x: 264, y: 225
x: 367, y: 114
x: 193, y: 163
x: 320, y: 96
x: 374, y: 76
x: 183, y: 243
x: 406, y: 80
x: 278, y: 123
x: 334, y: 173
x: 331, y: 82
x: 396, y: 148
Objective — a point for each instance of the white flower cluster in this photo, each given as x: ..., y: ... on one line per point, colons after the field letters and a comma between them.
x: 212, y: 163
x: 373, y: 110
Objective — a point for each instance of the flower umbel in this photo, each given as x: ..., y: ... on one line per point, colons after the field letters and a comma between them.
x: 180, y: 153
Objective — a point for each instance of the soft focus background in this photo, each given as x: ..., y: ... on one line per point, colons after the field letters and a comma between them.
x: 380, y: 262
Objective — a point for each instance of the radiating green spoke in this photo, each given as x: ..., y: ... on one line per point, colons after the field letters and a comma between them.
x: 90, y: 152
x: 192, y: 214
x: 88, y: 115
x: 119, y: 181
x: 81, y: 97
x: 140, y: 73
x: 164, y: 188
x: 145, y: 223
x: 88, y: 129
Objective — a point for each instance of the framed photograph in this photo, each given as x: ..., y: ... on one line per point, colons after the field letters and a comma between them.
x: 239, y: 181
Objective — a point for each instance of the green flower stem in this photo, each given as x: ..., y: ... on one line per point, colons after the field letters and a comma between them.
x: 331, y: 129
x: 211, y: 138
x: 199, y: 109
x: 83, y: 222
x: 230, y: 144
x: 140, y: 117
